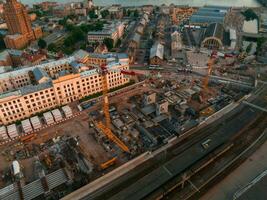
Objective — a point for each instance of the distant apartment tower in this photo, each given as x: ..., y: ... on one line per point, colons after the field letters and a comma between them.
x: 88, y: 4
x: 19, y: 25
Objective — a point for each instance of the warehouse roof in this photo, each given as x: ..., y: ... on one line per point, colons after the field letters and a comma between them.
x: 215, y: 30
x: 157, y: 50
x: 34, y: 88
x: 209, y: 14
x: 39, y: 74
x: 136, y: 37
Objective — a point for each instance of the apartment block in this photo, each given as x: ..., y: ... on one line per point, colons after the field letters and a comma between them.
x: 35, y: 89
x: 114, y: 31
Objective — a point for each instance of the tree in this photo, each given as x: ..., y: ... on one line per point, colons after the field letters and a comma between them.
x: 92, y: 14
x: 52, y: 47
x: 42, y: 44
x: 69, y: 41
x: 77, y: 34
x: 124, y: 12
x: 129, y: 13
x: 2, y: 43
x: 69, y: 27
x: 109, y: 43
x: 260, y: 42
x: 118, y: 42
x: 104, y: 13
x: 136, y: 14
x: 249, y: 14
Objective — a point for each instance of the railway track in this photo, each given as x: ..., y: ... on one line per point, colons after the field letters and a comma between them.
x: 243, y: 145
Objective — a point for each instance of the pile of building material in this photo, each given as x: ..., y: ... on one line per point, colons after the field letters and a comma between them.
x: 48, y: 118
x: 26, y: 126
x: 36, y: 122
x: 3, y: 133
x: 67, y: 111
x: 57, y: 115
x: 12, y: 131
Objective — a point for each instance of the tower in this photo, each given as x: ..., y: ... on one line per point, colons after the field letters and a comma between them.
x: 19, y: 25
x: 17, y: 19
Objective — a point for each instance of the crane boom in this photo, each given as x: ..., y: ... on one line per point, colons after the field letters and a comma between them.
x: 106, y: 129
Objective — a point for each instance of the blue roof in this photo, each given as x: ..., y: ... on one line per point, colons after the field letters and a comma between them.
x: 15, y: 52
x: 35, y: 88
x: 122, y: 55
x: 39, y: 73
x: 209, y: 14
x: 75, y: 64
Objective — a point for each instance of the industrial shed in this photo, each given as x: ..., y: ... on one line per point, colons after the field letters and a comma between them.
x: 67, y: 111
x: 26, y: 126
x: 156, y: 54
x: 48, y: 118
x: 57, y: 115
x: 209, y: 14
x: 3, y: 133
x: 12, y: 131
x: 36, y: 122
x: 213, y: 38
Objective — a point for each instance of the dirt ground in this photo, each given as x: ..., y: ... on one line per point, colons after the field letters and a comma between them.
x: 77, y: 126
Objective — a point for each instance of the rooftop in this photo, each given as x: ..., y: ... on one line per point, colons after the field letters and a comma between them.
x: 215, y: 30
x: 209, y: 14
x: 157, y: 50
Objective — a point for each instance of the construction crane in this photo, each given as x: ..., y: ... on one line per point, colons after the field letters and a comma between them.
x: 210, y: 65
x: 106, y: 128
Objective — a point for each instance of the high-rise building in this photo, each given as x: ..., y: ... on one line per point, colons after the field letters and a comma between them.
x: 19, y: 25
x: 88, y: 4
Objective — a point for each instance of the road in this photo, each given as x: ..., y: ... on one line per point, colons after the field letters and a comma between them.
x: 177, y: 158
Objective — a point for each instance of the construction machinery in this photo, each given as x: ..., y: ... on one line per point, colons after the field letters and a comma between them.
x: 28, y: 138
x: 107, y: 164
x: 106, y: 128
x: 210, y: 65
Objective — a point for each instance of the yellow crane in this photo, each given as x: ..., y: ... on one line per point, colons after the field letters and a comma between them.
x: 210, y: 65
x: 106, y: 128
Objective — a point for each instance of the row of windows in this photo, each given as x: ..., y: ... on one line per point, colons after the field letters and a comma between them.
x: 39, y: 101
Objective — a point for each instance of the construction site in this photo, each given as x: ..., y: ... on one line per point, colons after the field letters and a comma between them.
x: 71, y: 146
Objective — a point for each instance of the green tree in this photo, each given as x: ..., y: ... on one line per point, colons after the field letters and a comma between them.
x: 118, y: 43
x: 109, y: 43
x: 2, y: 43
x: 42, y: 44
x: 69, y: 27
x: 260, y: 42
x: 92, y: 14
x: 104, y: 13
x: 249, y: 14
x: 52, y: 47
x: 129, y: 13
x: 124, y: 12
x: 69, y: 41
x: 136, y: 13
x: 77, y: 34
x: 98, y: 26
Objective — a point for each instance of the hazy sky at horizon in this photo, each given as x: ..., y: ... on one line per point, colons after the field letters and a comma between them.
x: 238, y: 3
